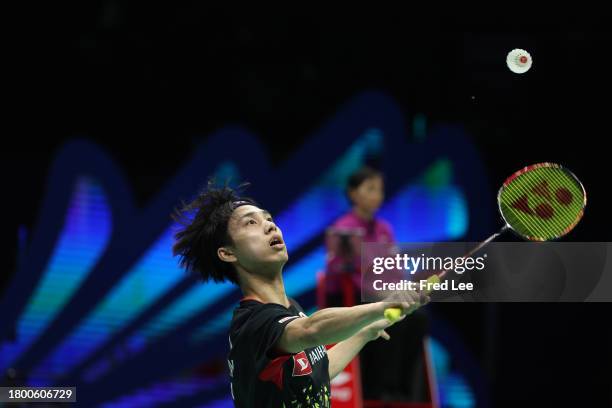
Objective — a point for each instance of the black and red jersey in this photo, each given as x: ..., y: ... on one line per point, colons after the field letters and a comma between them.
x: 260, y: 375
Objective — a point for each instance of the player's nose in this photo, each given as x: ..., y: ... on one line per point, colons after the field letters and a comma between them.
x: 271, y: 227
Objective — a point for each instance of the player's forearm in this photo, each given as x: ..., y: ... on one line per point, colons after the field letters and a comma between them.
x: 342, y: 353
x: 335, y: 324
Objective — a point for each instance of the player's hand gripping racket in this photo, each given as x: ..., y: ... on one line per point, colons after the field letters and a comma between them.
x: 541, y: 202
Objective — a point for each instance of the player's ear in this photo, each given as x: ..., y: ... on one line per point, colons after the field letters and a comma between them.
x: 226, y: 254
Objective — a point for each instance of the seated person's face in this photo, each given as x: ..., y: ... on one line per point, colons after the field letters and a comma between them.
x: 369, y: 195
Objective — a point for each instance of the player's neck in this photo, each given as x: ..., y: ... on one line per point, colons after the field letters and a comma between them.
x: 264, y: 289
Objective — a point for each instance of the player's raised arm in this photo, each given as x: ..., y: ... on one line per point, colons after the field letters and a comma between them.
x: 333, y: 325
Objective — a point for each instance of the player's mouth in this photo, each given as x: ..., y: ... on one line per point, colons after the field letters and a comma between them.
x: 277, y: 242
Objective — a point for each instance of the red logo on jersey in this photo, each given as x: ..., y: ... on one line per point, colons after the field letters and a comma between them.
x: 301, y: 365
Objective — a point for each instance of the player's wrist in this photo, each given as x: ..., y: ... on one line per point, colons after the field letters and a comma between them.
x: 363, y: 336
x: 378, y: 309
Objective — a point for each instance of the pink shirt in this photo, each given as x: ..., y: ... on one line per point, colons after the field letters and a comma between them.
x: 375, y: 230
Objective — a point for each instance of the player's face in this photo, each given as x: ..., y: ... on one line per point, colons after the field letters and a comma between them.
x: 369, y: 195
x: 257, y: 242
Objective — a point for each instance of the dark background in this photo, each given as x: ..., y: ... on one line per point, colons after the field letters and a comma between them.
x: 148, y: 83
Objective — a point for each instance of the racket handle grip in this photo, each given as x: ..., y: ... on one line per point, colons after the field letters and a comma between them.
x: 394, y: 313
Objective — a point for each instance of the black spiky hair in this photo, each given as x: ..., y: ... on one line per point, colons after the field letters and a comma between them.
x: 204, y: 229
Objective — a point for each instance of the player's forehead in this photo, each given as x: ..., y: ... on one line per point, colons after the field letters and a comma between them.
x: 248, y: 211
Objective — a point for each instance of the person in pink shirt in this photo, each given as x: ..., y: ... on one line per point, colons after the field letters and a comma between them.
x: 366, y: 192
x: 398, y: 379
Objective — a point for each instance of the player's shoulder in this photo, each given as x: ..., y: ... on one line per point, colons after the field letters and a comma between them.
x: 296, y: 305
x: 245, y: 310
x: 251, y: 313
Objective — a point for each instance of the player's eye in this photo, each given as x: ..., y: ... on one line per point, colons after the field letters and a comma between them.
x: 251, y: 221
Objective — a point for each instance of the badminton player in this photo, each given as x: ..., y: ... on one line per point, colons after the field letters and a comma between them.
x: 277, y: 354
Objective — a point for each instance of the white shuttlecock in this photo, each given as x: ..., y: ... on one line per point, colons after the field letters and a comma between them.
x: 519, y: 61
